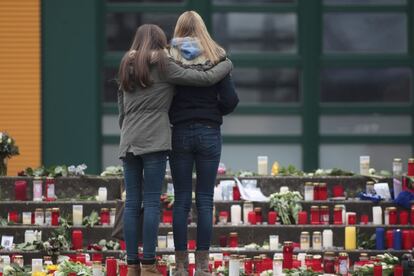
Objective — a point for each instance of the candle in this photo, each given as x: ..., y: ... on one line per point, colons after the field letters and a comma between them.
x: 236, y: 193
x: 403, y: 217
x: 327, y: 238
x: 77, y: 239
x: 379, y: 238
x: 170, y: 240
x: 167, y: 216
x: 377, y: 215
x: 102, y: 194
x: 397, y: 239
x: 235, y: 214
x: 406, y: 240
x: 252, y: 217
x: 323, y: 191
x: 27, y: 218
x: 37, y: 189
x: 247, y: 207
x: 364, y: 219
x: 77, y: 215
x: 271, y: 217
x: 273, y: 242
x: 29, y: 236
x: 317, y: 240
x: 389, y: 238
x: 377, y: 270
x: 338, y: 215
x: 410, y: 171
x: 223, y: 241
x: 398, y: 270
x: 302, y: 217
x: 392, y: 215
x: 343, y: 263
x: 262, y: 165
x: 287, y: 255
x: 233, y: 239
x: 315, y: 215
x: 20, y: 190
x: 317, y: 263
x: 191, y: 244
x: 162, y: 268
x: 104, y: 216
x: 37, y: 265
x: 364, y: 165
x: 329, y: 263
x: 50, y: 189
x: 338, y: 191
x: 350, y: 238
x: 48, y: 216
x: 39, y: 216
x: 316, y: 191
x: 111, y: 266
x: 284, y: 189
x: 55, y: 216
x: 309, y: 189
x: 324, y: 215
x: 13, y: 217
x: 277, y: 266
x: 304, y: 241
x: 162, y: 241
x: 234, y: 265
x: 97, y: 268
x: 351, y: 218
x: 112, y: 214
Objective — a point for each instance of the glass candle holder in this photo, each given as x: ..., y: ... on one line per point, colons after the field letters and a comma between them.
x: 37, y: 189
x: 287, y: 255
x: 302, y: 217
x: 403, y: 217
x: 48, y: 216
x: 252, y: 217
x: 410, y: 171
x: 271, y: 217
x: 304, y: 241
x: 317, y: 240
x: 104, y: 216
x: 223, y: 241
x: 55, y: 216
x: 364, y: 219
x: 323, y: 191
x: 236, y: 193
x: 324, y: 215
x: 316, y: 191
x: 392, y: 215
x: 309, y: 191
x: 315, y: 215
x: 258, y: 212
x: 329, y: 263
x: 39, y: 216
x: 77, y: 215
x: 111, y: 266
x: 77, y: 239
x: 338, y: 215
x: 50, y: 189
x: 20, y: 190
x: 247, y: 208
x: 233, y: 239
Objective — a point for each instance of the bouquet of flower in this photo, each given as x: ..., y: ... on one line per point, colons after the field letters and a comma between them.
x: 387, y: 262
x: 67, y: 267
x: 287, y: 205
x: 8, y: 148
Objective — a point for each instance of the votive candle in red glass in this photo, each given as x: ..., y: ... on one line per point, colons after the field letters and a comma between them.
x: 352, y: 219
x: 404, y: 217
x: 218, y: 263
x: 191, y: 268
x: 398, y: 270
x: 410, y: 171
x: 271, y: 217
x: 259, y: 217
x: 223, y: 217
x: 105, y: 216
x: 377, y: 270
x: 315, y: 215
x: 223, y: 241
x: 191, y: 244
x: 389, y: 237
x: 303, y: 217
x: 81, y: 258
x: 406, y: 239
x: 111, y: 266
x: 287, y: 255
x: 338, y: 191
x: 97, y: 257
x: 20, y: 189
x: 257, y: 264
x: 323, y: 191
x: 364, y: 219
x: 123, y: 269
x: 251, y: 217
x: 248, y: 266
x: 162, y: 268
x: 317, y: 264
x: 316, y: 191
x: 167, y: 216
x: 13, y: 217
x: 324, y: 215
x: 236, y: 193
x: 392, y: 215
x: 412, y: 214
x: 77, y: 239
x: 55, y: 216
x: 338, y: 215
x: 309, y: 261
x: 233, y: 239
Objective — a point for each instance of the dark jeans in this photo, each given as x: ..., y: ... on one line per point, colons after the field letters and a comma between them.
x: 147, y: 190
x: 199, y: 145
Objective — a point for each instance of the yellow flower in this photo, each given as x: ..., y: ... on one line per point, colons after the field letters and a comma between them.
x: 39, y: 274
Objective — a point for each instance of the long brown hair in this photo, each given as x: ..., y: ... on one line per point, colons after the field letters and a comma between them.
x: 147, y: 48
x: 191, y: 24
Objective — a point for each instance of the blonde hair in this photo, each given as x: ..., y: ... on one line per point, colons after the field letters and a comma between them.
x: 191, y: 24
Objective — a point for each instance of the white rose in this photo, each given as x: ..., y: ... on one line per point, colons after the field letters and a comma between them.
x: 9, y: 141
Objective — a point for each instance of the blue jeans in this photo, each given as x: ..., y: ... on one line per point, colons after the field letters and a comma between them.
x: 200, y: 145
x: 144, y: 190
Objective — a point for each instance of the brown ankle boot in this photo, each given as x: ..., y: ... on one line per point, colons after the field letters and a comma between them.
x: 134, y: 270
x: 181, y: 263
x: 150, y: 270
x: 201, y: 262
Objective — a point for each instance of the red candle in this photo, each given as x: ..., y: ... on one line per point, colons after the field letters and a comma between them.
x: 258, y: 212
x: 377, y: 270
x: 251, y: 217
x: 167, y: 216
x: 324, y: 215
x: 412, y: 214
x: 97, y: 257
x: 364, y: 219
x: 338, y: 215
x: 223, y: 241
x: 233, y: 239
x: 55, y: 216
x: 248, y: 266
x: 406, y: 238
x: 104, y: 216
x: 13, y: 216
x: 20, y: 189
x: 404, y: 217
x: 410, y: 171
x: 398, y: 270
x: 77, y: 239
x: 315, y: 215
x: 317, y: 264
x: 50, y: 189
x: 123, y: 269
x: 389, y: 239
x: 271, y: 217
x: 323, y: 191
x: 338, y: 191
x: 287, y: 255
x: 191, y: 268
x: 257, y: 265
x: 162, y: 268
x: 191, y: 244
x: 351, y: 219
x: 236, y: 193
x: 111, y: 266
x: 302, y: 217
x: 316, y: 191
x: 217, y: 263
x: 81, y: 258
x: 392, y: 215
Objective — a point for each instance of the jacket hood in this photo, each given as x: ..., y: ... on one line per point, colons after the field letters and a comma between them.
x: 188, y: 47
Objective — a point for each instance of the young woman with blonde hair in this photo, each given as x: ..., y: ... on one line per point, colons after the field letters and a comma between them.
x: 147, y: 78
x: 196, y: 115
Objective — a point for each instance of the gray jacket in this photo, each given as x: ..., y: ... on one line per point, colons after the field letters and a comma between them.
x: 143, y: 113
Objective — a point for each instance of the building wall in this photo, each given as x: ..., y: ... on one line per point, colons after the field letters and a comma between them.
x: 20, y: 82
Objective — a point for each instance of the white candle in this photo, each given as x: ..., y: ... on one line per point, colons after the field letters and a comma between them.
x: 262, y: 165
x: 37, y: 265
x: 234, y: 266
x: 235, y: 214
x: 364, y: 165
x: 277, y: 266
x: 162, y: 241
x: 273, y: 242
x: 327, y: 238
x: 302, y: 257
x: 37, y: 189
x: 377, y: 215
x: 102, y: 194
x: 77, y: 215
x: 170, y: 240
x: 284, y: 189
x: 247, y: 207
x: 27, y: 218
x: 29, y: 236
x: 316, y: 240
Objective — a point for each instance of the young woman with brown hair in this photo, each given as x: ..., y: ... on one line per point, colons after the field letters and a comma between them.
x: 196, y: 115
x: 147, y: 78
